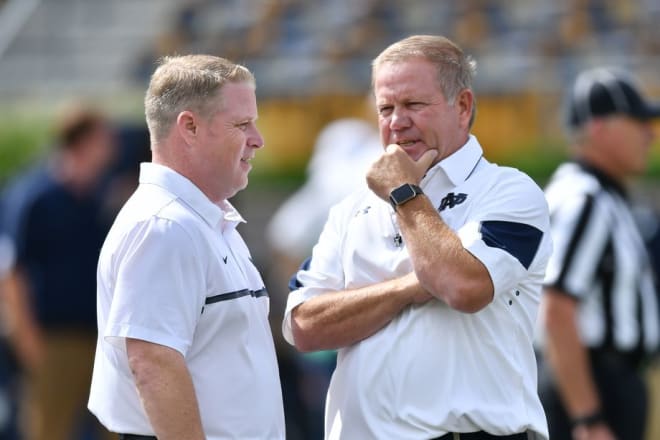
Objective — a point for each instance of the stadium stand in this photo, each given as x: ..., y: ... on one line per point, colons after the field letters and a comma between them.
x: 66, y: 46
x: 301, y: 47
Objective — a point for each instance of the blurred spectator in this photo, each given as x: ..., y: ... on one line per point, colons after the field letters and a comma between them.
x: 54, y: 216
x: 648, y: 220
x: 8, y: 368
x: 599, y: 311
x: 343, y: 151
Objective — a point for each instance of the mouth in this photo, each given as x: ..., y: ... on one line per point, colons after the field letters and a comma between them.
x: 407, y: 143
x: 247, y: 159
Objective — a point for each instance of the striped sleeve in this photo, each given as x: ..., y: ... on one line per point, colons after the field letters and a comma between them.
x: 581, y: 231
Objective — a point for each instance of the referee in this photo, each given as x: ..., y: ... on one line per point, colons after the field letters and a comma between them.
x: 599, y: 312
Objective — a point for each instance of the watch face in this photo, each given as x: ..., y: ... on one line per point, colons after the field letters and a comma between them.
x: 402, y: 194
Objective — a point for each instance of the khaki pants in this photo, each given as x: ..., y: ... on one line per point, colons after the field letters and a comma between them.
x: 653, y: 380
x: 55, y: 403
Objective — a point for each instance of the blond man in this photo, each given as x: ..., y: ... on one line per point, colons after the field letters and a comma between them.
x: 184, y: 349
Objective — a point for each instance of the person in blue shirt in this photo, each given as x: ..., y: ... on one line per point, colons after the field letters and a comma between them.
x: 55, y: 219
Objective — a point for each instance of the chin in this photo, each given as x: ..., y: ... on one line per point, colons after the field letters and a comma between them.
x: 242, y: 185
x: 415, y: 155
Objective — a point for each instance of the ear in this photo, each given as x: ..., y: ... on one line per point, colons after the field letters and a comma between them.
x: 186, y: 126
x: 465, y: 103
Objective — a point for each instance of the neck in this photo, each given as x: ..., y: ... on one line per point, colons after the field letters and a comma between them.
x: 602, y: 162
x: 182, y: 165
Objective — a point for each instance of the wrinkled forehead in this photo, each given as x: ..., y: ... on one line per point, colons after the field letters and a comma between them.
x: 413, y: 77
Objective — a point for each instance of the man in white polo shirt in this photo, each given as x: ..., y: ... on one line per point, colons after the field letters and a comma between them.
x: 428, y: 281
x: 185, y: 349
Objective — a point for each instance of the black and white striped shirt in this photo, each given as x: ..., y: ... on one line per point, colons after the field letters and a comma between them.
x: 600, y: 259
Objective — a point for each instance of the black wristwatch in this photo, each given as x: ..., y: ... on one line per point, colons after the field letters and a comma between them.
x: 404, y: 193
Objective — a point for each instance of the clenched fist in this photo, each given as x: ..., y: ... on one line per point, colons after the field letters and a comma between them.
x: 395, y: 167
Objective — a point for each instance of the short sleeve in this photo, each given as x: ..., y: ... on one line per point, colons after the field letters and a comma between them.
x: 18, y: 223
x: 7, y: 255
x: 160, y: 288
x: 508, y: 232
x: 581, y: 231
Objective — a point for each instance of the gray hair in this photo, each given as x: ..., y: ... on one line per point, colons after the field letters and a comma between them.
x: 188, y: 82
x: 455, y: 69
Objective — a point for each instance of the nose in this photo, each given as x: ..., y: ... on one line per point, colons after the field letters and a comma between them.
x: 652, y: 131
x: 649, y: 131
x: 399, y: 119
x: 255, y: 139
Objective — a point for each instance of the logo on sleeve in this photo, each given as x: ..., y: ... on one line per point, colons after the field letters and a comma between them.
x: 452, y: 200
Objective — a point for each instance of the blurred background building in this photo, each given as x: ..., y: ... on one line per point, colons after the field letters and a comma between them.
x: 312, y: 61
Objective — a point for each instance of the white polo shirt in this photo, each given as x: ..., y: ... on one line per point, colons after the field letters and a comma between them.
x: 174, y: 271
x: 432, y: 369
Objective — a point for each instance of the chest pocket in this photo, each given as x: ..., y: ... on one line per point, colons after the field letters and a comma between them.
x: 227, y: 319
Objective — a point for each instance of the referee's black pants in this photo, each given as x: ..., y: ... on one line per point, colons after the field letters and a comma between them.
x: 623, y: 394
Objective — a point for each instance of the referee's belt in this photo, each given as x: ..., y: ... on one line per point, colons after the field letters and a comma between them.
x: 481, y: 435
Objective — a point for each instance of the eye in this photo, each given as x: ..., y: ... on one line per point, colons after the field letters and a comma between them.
x: 416, y: 105
x: 385, y: 110
x: 243, y: 126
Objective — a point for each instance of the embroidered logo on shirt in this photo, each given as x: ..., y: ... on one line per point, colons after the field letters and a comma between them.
x: 224, y: 260
x: 452, y: 200
x: 363, y: 210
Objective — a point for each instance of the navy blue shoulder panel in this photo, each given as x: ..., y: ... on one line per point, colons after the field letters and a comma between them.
x: 294, y: 283
x: 519, y: 239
